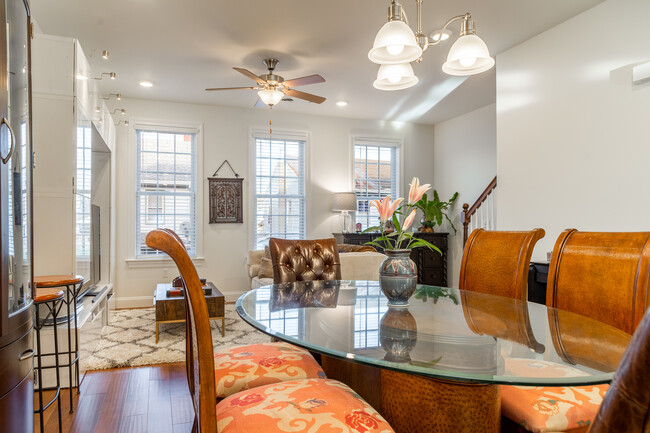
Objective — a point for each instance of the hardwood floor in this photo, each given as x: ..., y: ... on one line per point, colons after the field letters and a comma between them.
x: 152, y: 399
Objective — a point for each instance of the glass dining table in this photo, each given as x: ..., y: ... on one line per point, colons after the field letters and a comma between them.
x: 461, y: 343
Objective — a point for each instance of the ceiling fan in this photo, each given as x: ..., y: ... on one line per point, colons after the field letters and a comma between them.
x: 272, y: 88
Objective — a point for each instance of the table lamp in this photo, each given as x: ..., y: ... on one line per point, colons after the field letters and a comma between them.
x: 345, y: 202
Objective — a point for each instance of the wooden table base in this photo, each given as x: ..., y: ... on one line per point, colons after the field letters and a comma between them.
x: 416, y: 404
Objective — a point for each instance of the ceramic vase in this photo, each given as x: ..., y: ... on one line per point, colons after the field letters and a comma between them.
x: 398, y: 332
x: 398, y: 277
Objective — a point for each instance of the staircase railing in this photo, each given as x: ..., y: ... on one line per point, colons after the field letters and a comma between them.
x: 484, y: 216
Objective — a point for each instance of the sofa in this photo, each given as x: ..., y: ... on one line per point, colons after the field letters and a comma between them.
x: 355, y: 265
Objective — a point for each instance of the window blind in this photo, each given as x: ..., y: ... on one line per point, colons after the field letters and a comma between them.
x: 376, y: 174
x: 279, y: 201
x: 165, y: 187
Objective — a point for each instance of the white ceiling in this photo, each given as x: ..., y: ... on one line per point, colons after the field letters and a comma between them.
x: 186, y: 46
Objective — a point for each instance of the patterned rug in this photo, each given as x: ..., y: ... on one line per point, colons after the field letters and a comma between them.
x: 129, y: 340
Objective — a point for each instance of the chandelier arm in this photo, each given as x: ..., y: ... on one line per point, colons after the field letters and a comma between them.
x: 466, y: 16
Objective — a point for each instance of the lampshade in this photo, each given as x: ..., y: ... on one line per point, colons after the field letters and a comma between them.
x: 395, y: 77
x: 344, y: 201
x: 395, y: 43
x: 468, y: 56
x: 270, y: 97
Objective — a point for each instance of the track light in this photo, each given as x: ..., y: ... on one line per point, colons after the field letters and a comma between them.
x: 111, y: 75
x: 105, y: 54
x: 121, y: 110
x: 118, y: 96
x: 125, y: 122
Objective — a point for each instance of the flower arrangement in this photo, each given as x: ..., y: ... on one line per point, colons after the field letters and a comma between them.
x: 400, y: 238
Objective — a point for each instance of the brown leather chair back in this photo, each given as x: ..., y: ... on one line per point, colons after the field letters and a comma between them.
x: 496, y: 262
x: 199, y: 349
x: 304, y: 260
x: 626, y: 406
x: 601, y: 275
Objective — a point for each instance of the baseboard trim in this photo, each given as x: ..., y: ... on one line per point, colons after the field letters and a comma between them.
x: 147, y: 301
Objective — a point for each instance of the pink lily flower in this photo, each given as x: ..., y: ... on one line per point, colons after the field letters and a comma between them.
x: 409, y: 220
x: 386, y: 208
x: 416, y: 192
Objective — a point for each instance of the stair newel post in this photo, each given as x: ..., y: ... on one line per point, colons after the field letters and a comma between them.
x: 465, y: 220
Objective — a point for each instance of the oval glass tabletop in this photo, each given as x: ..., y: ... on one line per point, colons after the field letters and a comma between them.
x: 444, y: 333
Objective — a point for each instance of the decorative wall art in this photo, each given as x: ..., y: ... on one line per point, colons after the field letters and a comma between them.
x: 226, y: 197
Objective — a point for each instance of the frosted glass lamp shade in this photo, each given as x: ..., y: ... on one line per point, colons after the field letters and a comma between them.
x: 395, y: 43
x: 270, y: 97
x: 468, y: 56
x: 344, y: 201
x: 395, y: 77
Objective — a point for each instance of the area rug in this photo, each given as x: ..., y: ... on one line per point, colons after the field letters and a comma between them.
x: 129, y: 340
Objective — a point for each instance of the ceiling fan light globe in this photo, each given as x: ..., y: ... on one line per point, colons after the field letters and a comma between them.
x: 395, y: 77
x: 395, y: 34
x: 468, y: 56
x: 270, y: 97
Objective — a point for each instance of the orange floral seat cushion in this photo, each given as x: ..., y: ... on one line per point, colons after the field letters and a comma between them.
x: 550, y: 408
x: 310, y: 405
x: 247, y: 367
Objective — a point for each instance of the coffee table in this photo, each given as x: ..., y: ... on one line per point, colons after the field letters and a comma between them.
x: 172, y: 309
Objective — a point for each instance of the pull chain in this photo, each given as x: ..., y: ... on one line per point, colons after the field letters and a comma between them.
x: 270, y: 123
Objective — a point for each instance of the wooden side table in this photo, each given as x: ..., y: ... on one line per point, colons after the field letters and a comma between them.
x: 172, y: 309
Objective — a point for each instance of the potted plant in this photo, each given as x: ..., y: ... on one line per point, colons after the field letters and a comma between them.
x: 433, y: 210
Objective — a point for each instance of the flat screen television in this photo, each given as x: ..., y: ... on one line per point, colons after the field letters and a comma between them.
x: 95, y: 276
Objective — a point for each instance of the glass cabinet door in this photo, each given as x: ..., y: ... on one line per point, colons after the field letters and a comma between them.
x: 15, y: 150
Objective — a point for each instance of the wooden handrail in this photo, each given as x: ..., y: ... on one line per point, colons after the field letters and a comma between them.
x: 468, y: 212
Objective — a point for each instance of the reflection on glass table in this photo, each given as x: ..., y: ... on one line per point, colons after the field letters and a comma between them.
x: 444, y: 333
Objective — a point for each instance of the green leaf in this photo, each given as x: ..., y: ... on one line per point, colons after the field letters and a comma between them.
x: 426, y: 364
x: 376, y: 244
x: 372, y: 229
x: 423, y: 243
x: 396, y: 223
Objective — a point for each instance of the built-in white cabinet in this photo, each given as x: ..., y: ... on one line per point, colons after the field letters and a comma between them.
x: 74, y: 145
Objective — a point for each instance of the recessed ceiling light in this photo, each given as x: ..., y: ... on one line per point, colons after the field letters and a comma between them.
x: 146, y: 83
x: 435, y: 35
x: 341, y: 103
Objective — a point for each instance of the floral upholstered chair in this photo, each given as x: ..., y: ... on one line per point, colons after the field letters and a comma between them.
x: 314, y: 405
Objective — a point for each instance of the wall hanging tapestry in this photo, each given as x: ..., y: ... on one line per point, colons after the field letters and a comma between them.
x: 226, y: 197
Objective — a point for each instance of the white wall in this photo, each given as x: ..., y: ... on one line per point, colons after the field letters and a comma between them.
x: 464, y: 161
x: 226, y: 134
x: 573, y: 137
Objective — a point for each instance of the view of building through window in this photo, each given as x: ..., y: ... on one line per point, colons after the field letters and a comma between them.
x: 375, y: 176
x: 279, y: 201
x: 165, y: 187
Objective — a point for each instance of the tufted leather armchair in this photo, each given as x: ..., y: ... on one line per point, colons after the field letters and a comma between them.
x: 304, y: 260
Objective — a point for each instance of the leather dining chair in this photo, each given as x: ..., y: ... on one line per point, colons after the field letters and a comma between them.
x: 626, y: 406
x: 304, y: 260
x: 324, y: 403
x: 496, y: 262
x: 244, y: 367
x: 601, y: 275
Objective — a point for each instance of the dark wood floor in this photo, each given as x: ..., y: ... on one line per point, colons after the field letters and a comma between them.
x: 152, y: 399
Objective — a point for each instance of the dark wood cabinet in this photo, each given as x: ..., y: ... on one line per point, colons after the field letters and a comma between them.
x: 16, y: 270
x: 432, y: 266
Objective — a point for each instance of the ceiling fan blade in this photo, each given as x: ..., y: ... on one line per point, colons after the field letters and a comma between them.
x: 259, y: 103
x: 306, y: 96
x: 250, y: 75
x: 229, y: 88
x: 302, y: 81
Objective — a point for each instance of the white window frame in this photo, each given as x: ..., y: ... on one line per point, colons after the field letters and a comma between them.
x: 379, y: 141
x: 165, y: 126
x: 283, y: 134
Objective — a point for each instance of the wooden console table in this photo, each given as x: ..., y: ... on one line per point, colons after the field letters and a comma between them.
x: 172, y: 309
x: 432, y: 267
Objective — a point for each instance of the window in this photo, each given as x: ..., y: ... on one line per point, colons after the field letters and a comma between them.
x: 166, y: 186
x: 279, y: 197
x: 376, y: 174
